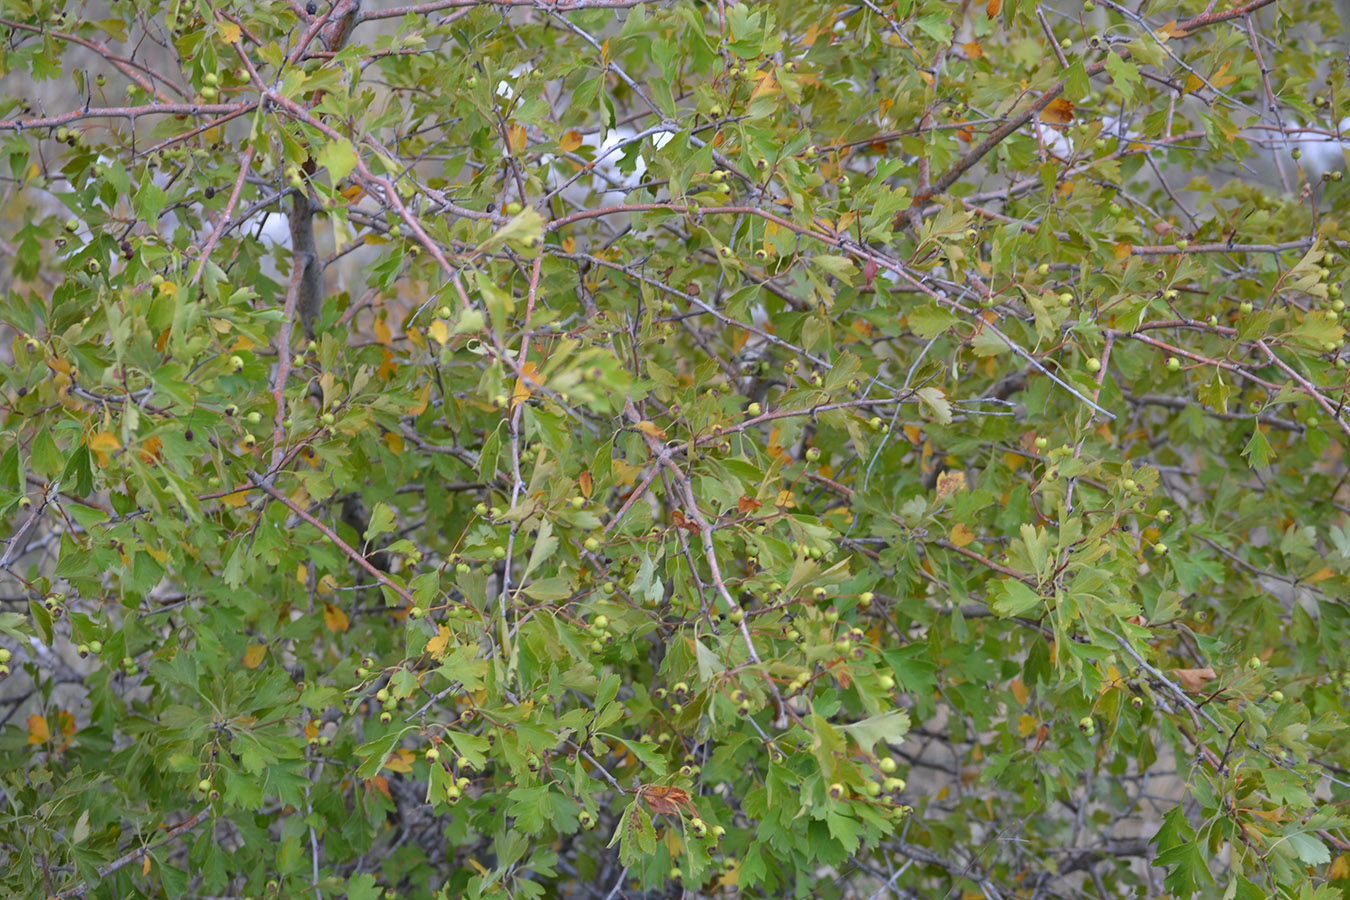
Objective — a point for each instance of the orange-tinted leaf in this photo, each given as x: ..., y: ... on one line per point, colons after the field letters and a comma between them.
x: 1058, y: 112
x: 746, y: 504
x: 587, y: 484
x: 253, y: 656
x: 973, y: 49
x: 649, y: 428
x: 382, y: 332
x: 38, y: 730
x: 993, y: 7
x: 381, y: 784
x: 103, y: 444
x: 516, y: 135
x: 570, y: 141
x: 150, y: 448
x: 949, y: 483
x: 334, y: 619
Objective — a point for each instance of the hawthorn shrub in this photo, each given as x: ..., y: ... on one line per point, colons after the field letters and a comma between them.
x: 606, y: 448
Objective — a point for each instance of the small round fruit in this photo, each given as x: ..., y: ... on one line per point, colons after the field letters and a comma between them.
x: 385, y: 718
x: 813, y: 454
x: 1254, y: 663
x: 1042, y: 443
x: 94, y: 647
x: 754, y: 409
x: 204, y: 785
x: 499, y: 552
x: 887, y: 765
x: 578, y: 502
x: 1173, y: 364
x: 1087, y: 725
x: 894, y: 785
x: 886, y: 682
x: 328, y: 419
x: 836, y: 791
x: 5, y: 655
x: 1160, y: 548
x: 433, y: 754
x: 83, y: 650
x: 1277, y: 696
x: 1129, y: 485
x: 1093, y: 364
x: 866, y: 598
x: 592, y: 544
x: 1245, y: 307
x: 253, y: 418
x: 736, y: 616
x: 417, y: 612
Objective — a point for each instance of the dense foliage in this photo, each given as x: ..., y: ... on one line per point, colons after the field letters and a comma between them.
x: 605, y: 448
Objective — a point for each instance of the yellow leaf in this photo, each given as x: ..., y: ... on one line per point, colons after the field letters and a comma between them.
x: 477, y: 865
x: 526, y: 382
x: 515, y: 134
x: 1123, y: 250
x: 439, y: 331
x: 1193, y: 83
x: 422, y: 397
x: 587, y: 484
x: 961, y: 535
x: 415, y: 335
x: 1020, y: 690
x: 229, y: 32
x: 253, y: 656
x: 993, y: 7
x: 604, y: 52
x: 394, y: 440
x: 302, y: 574
x: 1340, y: 869
x: 334, y: 619
x: 1320, y: 575
x: 103, y: 444
x: 382, y: 333
x: 400, y: 761
x: 235, y: 500
x: 312, y: 728
x: 570, y: 141
x: 38, y: 731
x: 973, y: 49
x: 327, y: 584
x: 569, y: 244
x: 440, y: 642
x: 1221, y: 79
x: 145, y: 865
x: 168, y: 288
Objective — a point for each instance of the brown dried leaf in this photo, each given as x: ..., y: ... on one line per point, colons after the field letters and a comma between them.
x: 665, y: 799
x: 1194, y: 679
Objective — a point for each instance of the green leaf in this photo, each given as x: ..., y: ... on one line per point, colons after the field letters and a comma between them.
x: 1009, y: 597
x: 889, y: 727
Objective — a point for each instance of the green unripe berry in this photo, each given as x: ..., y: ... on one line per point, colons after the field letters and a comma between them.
x: 1093, y: 364
x: 887, y: 765
x: 1042, y: 443
x: 1173, y: 364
